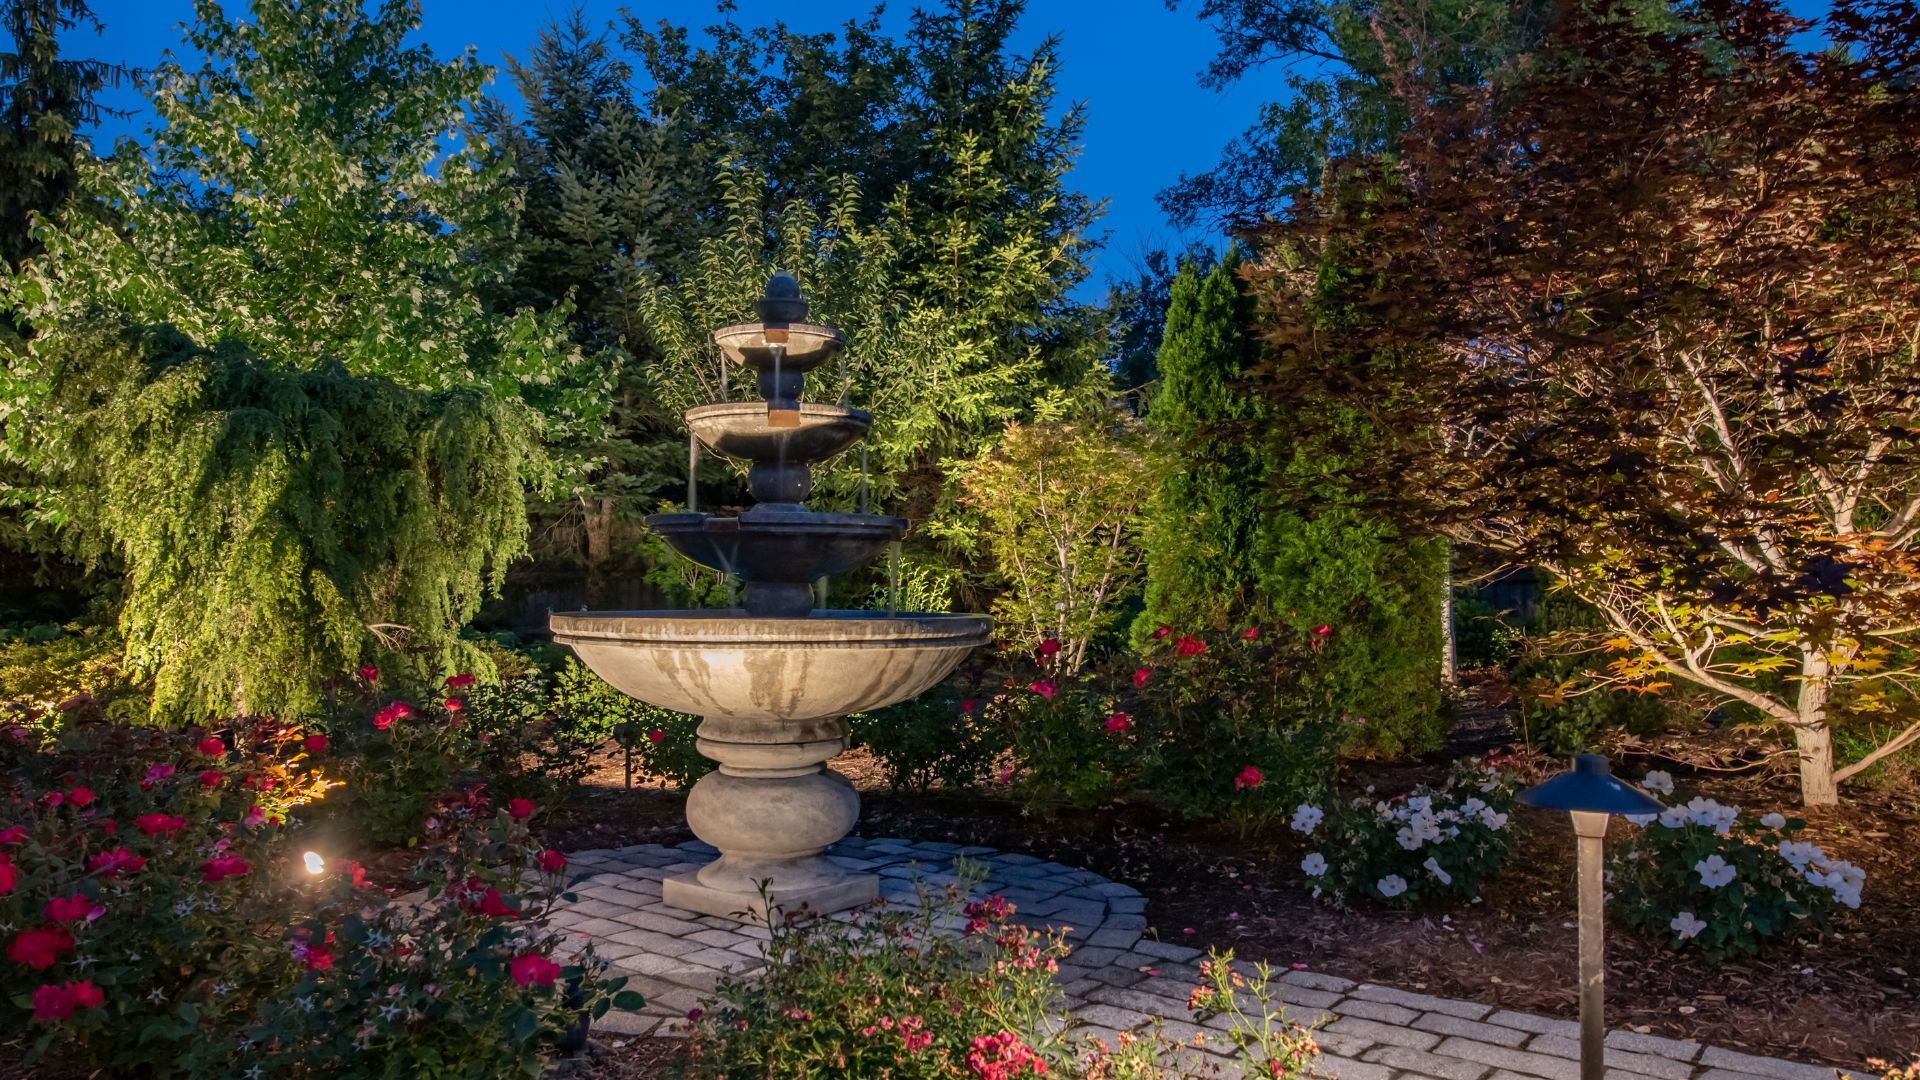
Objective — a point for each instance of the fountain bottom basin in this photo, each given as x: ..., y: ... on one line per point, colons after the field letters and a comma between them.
x: 772, y: 694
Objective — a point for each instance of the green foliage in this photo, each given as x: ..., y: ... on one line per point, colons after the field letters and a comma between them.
x: 1562, y: 709
x: 896, y: 993
x: 946, y: 736
x: 39, y: 671
x: 1206, y: 514
x: 44, y: 99
x: 1436, y: 843
x: 198, y: 946
x: 273, y: 523
x: 1704, y: 876
x: 1063, y: 751
x: 662, y: 742
x: 1482, y: 636
x: 1058, y: 507
x: 297, y: 198
x: 1256, y: 523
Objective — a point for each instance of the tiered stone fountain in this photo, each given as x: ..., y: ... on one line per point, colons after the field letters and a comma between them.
x: 773, y: 680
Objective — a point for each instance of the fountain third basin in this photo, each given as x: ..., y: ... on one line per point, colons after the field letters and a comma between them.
x: 773, y: 694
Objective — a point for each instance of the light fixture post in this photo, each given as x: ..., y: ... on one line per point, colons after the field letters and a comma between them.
x: 1591, y: 794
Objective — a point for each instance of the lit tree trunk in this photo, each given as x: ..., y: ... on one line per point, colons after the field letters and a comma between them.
x: 1812, y: 738
x: 599, y: 526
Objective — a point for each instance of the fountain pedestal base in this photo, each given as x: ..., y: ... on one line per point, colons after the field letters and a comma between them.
x: 688, y: 892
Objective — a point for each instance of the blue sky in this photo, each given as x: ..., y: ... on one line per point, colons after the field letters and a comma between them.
x: 1133, y: 62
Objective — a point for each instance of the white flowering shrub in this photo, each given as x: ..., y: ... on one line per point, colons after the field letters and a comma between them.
x: 1705, y: 876
x: 1434, y: 843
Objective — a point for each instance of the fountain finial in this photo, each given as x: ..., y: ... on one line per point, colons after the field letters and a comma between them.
x: 782, y: 302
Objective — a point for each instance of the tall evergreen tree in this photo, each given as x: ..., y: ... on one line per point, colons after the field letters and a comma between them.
x: 45, y: 98
x: 1256, y: 523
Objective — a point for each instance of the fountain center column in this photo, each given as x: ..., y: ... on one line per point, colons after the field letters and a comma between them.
x: 770, y: 772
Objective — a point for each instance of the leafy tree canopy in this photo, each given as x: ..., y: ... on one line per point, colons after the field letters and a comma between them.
x: 299, y: 197
x: 1644, y: 314
x: 280, y: 527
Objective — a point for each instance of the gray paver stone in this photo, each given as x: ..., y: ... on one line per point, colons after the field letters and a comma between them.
x: 1117, y: 975
x: 1518, y: 1061
x: 1425, y: 1064
x: 1109, y: 938
x: 1375, y: 1031
x: 1162, y: 950
x: 1717, y: 1058
x: 1466, y: 1010
x: 1369, y: 1010
x: 1313, y: 999
x: 1111, y: 1017
x: 1474, y: 1029
x: 654, y: 942
x: 1644, y: 1064
x: 625, y: 1023
x: 1313, y: 980
x: 1341, y: 1068
x: 1539, y: 1025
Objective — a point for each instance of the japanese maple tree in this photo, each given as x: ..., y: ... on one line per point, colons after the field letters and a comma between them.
x: 1646, y: 316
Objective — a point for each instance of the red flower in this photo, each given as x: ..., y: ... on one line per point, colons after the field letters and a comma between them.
x: 114, y: 863
x: 462, y: 679
x: 519, y: 809
x: 454, y: 704
x: 1046, y: 688
x: 1141, y: 677
x: 164, y: 825
x: 1160, y: 633
x: 58, y: 1002
x: 38, y: 949
x: 656, y: 736
x: 359, y: 872
x: 1049, y: 647
x: 223, y: 867
x: 1322, y: 630
x: 15, y: 834
x: 1250, y: 633
x: 315, y: 744
x: 81, y: 796
x: 212, y: 778
x: 71, y: 909
x: 1118, y: 723
x: 155, y: 774
x: 969, y: 705
x: 532, y: 969
x: 399, y: 710
x: 212, y: 747
x: 370, y: 673
x: 552, y: 862
x: 1189, y: 646
x: 316, y: 957
x: 8, y: 876
x: 1249, y: 778
x: 491, y: 904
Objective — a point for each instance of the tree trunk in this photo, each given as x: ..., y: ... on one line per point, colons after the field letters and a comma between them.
x: 1813, y: 738
x: 599, y: 526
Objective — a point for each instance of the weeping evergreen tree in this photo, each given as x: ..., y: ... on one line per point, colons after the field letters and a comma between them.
x: 1257, y: 523
x: 275, y: 525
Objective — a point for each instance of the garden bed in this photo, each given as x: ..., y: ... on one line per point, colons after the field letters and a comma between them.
x: 1854, y: 996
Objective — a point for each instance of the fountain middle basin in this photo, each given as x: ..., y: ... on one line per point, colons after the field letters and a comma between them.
x: 772, y: 694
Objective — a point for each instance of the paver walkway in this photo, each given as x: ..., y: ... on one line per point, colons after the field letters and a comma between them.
x: 1116, y: 978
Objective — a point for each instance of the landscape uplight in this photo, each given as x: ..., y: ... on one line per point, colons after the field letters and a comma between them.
x: 1591, y: 793
x: 315, y: 864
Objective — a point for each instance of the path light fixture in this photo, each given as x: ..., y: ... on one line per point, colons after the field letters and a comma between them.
x: 1591, y: 793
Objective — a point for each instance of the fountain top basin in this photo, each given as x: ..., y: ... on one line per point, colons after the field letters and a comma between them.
x: 727, y: 663
x: 753, y: 344
x: 739, y: 429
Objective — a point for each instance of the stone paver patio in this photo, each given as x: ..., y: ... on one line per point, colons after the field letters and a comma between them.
x: 1116, y: 978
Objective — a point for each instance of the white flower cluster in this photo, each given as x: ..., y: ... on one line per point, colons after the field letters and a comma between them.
x: 1842, y: 878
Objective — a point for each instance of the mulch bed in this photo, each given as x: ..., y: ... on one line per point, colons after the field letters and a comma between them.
x: 1841, y: 1001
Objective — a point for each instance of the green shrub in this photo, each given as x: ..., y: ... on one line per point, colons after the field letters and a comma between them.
x: 1708, y: 877
x: 1435, y: 843
x: 665, y: 744
x: 895, y: 993
x: 945, y: 736
x: 160, y: 923
x: 1231, y: 724
x: 39, y: 671
x: 1482, y: 636
x: 1068, y: 747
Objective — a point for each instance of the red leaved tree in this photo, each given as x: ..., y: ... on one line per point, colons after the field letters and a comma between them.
x: 1647, y: 316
